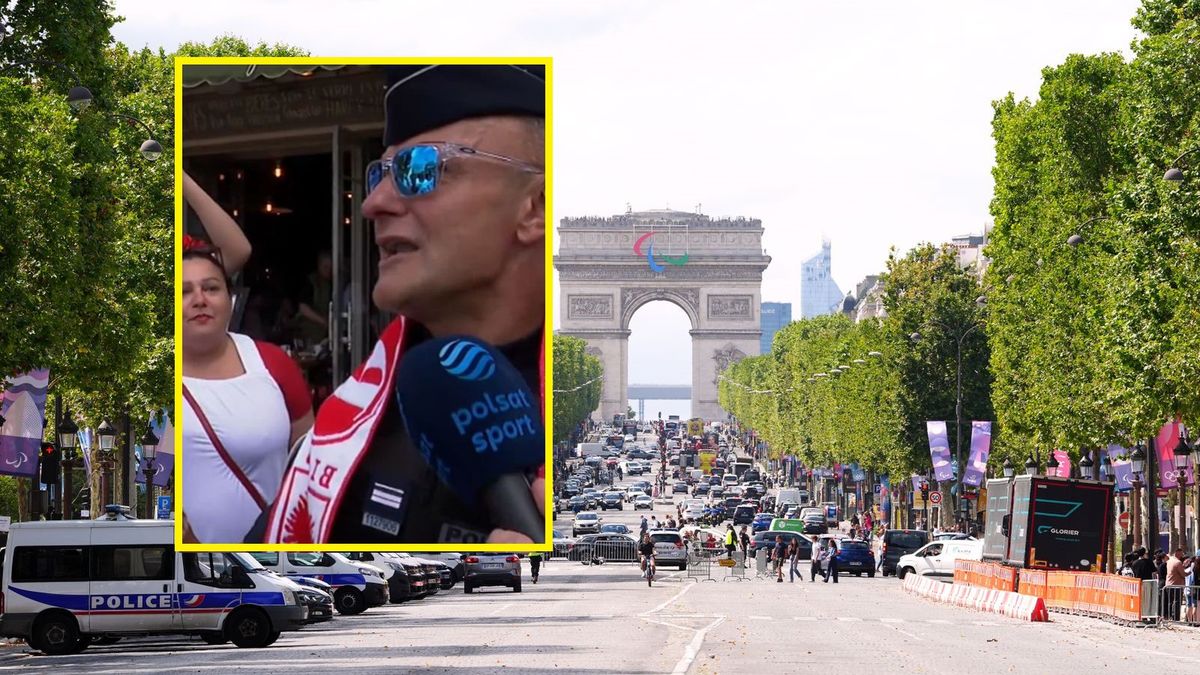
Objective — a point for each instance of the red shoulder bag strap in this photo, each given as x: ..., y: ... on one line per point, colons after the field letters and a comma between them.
x: 224, y: 454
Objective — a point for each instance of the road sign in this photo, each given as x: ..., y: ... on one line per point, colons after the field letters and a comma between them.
x: 1123, y: 521
x: 876, y: 488
x: 935, y: 497
x: 164, y: 507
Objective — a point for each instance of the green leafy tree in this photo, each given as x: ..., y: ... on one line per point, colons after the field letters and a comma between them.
x: 576, y: 385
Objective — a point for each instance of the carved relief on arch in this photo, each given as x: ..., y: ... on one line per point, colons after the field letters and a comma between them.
x: 724, y: 357
x: 592, y: 350
x: 688, y: 300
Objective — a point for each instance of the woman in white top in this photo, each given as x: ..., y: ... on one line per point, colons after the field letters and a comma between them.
x: 245, y: 402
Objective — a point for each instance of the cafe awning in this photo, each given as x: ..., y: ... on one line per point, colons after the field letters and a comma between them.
x: 194, y: 76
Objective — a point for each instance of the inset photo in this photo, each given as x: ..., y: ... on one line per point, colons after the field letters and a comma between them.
x: 363, y: 304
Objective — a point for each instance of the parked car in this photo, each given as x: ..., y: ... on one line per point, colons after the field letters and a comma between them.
x: 492, y: 569
x: 614, y: 528
x: 899, y: 543
x: 937, y: 558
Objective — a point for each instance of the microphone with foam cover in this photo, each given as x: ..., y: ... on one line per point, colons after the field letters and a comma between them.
x: 474, y: 420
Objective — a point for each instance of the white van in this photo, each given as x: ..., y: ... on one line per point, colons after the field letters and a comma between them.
x: 66, y: 584
x: 936, y: 559
x: 356, y: 585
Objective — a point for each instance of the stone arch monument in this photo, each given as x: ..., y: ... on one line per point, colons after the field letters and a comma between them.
x: 711, y: 268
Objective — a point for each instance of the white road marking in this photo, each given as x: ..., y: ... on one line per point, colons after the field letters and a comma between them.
x: 759, y: 618
x: 891, y: 619
x: 848, y: 618
x: 938, y: 621
x: 805, y: 618
x: 904, y: 632
x: 693, y: 648
x: 983, y: 623
x: 675, y: 597
x: 501, y: 608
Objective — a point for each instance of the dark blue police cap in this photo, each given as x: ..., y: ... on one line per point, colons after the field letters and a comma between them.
x: 420, y: 98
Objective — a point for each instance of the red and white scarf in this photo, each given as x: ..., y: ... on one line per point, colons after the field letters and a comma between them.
x: 315, y: 483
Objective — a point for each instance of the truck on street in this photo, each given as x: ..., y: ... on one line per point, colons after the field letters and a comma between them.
x: 1046, y: 522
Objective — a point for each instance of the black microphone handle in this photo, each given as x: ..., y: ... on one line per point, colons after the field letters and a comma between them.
x: 510, y: 505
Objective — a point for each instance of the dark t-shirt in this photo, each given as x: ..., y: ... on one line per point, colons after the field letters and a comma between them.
x: 432, y: 513
x: 1143, y: 568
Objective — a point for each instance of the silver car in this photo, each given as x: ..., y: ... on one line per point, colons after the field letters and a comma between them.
x: 669, y: 548
x: 492, y: 569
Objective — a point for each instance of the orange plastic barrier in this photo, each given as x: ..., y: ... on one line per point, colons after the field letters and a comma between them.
x: 1092, y: 593
x: 985, y: 575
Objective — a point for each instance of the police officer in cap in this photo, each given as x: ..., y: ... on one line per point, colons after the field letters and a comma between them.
x: 458, y: 204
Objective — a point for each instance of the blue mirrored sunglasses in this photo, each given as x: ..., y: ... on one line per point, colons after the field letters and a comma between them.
x: 416, y: 169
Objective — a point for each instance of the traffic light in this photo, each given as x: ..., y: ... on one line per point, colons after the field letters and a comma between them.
x: 49, y: 464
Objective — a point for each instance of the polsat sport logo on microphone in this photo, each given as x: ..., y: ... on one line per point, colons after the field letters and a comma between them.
x: 497, y: 416
x: 467, y: 361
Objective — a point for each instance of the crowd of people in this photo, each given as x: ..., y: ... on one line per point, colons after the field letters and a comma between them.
x: 1176, y: 575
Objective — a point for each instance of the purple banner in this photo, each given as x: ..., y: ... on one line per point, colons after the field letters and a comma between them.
x: 981, y: 447
x: 939, y: 451
x: 1122, y: 468
x: 1168, y: 475
x: 23, y: 409
x: 164, y: 459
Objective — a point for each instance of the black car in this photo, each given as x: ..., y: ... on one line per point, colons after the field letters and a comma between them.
x: 744, y: 515
x: 319, y: 604
x: 612, y: 500
x: 680, y: 486
x: 898, y: 543
x: 579, y: 503
x: 716, y: 492
x: 702, y: 488
x: 816, y: 524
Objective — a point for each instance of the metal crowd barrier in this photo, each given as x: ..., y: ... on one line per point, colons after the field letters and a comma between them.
x: 1180, y: 604
x: 607, y: 550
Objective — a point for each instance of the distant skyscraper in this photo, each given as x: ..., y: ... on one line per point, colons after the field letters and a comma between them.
x: 775, y: 315
x: 819, y: 294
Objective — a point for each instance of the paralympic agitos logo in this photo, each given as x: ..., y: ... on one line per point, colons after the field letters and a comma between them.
x: 678, y: 261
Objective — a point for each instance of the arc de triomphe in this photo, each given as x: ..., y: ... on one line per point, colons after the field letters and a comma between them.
x: 710, y: 268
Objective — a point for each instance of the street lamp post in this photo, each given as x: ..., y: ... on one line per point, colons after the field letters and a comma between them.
x: 1183, y: 456
x: 149, y: 453
x: 1174, y: 173
x: 107, y: 434
x: 981, y: 301
x: 1137, y: 464
x: 1106, y: 474
x: 150, y: 148
x: 66, y: 441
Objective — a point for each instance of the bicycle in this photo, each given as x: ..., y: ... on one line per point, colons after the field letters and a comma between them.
x: 648, y: 569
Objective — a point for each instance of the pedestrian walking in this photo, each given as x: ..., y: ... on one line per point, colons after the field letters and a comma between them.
x: 778, y: 555
x: 645, y: 525
x: 730, y: 541
x: 535, y: 565
x: 744, y: 539
x: 818, y: 556
x: 794, y: 556
x: 832, y: 570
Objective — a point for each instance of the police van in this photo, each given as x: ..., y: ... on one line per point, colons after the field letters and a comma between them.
x: 66, y: 584
x: 356, y: 585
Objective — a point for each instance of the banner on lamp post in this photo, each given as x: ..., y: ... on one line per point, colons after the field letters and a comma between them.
x: 1122, y: 468
x: 939, y: 451
x: 981, y: 447
x: 1169, y: 477
x: 23, y: 409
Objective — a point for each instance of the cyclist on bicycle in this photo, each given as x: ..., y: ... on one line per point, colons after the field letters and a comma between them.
x: 646, y: 548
